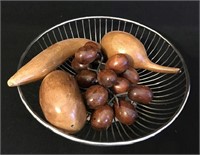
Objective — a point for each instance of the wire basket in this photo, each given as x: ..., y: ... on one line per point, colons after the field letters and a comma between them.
x: 170, y: 90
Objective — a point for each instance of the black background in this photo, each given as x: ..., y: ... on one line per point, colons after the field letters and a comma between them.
x: 23, y: 21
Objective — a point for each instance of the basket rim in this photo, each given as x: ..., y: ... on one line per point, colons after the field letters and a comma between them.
x: 73, y: 138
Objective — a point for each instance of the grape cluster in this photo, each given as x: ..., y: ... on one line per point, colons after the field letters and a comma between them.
x: 110, y: 86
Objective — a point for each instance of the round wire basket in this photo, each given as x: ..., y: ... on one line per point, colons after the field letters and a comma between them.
x: 170, y: 90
